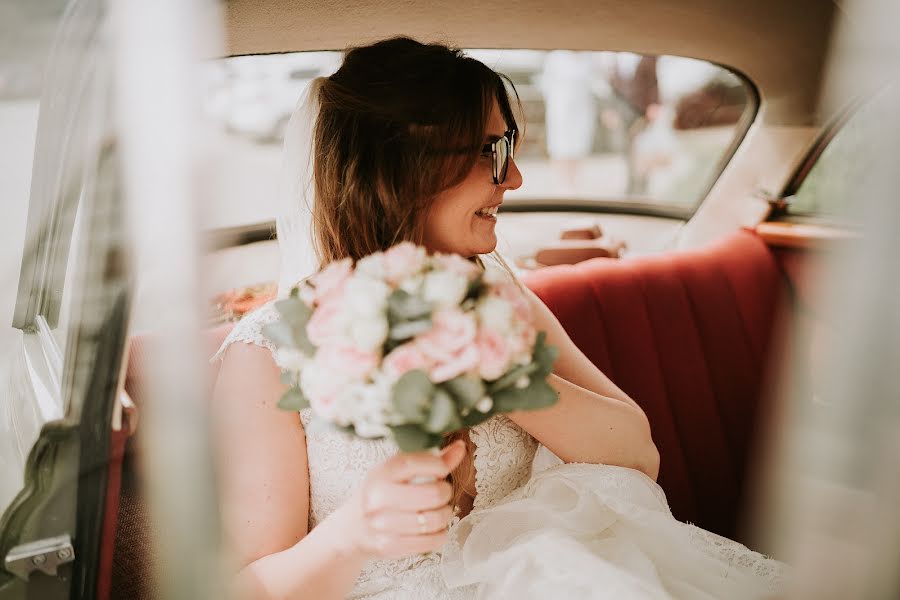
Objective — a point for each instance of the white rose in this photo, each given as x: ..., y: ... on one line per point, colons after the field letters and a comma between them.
x: 372, y: 405
x: 307, y: 293
x: 372, y: 266
x: 411, y: 285
x: 369, y: 429
x: 495, y: 313
x: 445, y: 288
x: 349, y: 399
x: 369, y: 333
x: 366, y: 296
x: 323, y: 389
x: 376, y: 397
x: 290, y: 359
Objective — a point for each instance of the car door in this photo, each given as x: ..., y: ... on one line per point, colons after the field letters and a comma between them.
x: 70, y: 312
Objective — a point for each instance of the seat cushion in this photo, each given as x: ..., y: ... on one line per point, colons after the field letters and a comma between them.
x: 686, y: 335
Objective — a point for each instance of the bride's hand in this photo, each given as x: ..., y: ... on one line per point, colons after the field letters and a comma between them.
x: 389, y: 517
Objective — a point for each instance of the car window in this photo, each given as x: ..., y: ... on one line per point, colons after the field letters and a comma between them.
x: 55, y: 118
x: 612, y: 127
x: 26, y: 36
x: 827, y: 189
x: 62, y: 139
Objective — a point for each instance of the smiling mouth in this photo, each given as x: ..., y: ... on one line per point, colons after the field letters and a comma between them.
x: 488, y: 212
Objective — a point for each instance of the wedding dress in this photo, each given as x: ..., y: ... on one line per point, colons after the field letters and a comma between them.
x: 570, y: 531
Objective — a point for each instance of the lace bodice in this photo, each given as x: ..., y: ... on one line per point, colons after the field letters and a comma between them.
x: 338, y: 463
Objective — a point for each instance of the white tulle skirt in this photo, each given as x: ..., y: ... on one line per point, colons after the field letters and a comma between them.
x: 597, y: 532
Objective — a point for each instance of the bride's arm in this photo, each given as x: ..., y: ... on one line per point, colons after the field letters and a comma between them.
x: 264, y: 489
x: 593, y: 421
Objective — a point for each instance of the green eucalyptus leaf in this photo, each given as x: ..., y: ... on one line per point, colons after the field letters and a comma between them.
x: 412, y: 395
x: 411, y: 438
x: 544, y: 356
x: 509, y: 379
x: 295, y: 313
x: 409, y: 329
x: 303, y: 343
x: 288, y: 378
x: 293, y: 400
x: 280, y: 333
x: 475, y: 417
x: 467, y: 391
x: 539, y: 394
x: 294, y: 310
x: 403, y: 306
x: 443, y: 416
x: 476, y: 287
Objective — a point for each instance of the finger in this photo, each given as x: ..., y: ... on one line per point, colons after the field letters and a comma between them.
x: 412, y: 522
x: 406, y: 497
x: 405, y: 466
x: 453, y: 454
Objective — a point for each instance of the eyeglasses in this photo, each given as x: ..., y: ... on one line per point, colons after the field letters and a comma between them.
x: 501, y: 151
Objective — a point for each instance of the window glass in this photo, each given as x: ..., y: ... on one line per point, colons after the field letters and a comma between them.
x: 65, y: 308
x: 606, y: 126
x: 26, y: 35
x: 27, y: 30
x: 829, y: 186
x: 53, y: 66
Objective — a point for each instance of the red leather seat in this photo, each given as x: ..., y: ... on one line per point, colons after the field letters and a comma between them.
x: 687, y: 336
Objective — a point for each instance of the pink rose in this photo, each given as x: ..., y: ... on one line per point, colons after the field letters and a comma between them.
x: 329, y: 282
x: 521, y: 342
x: 454, y: 365
x: 494, y: 355
x: 404, y: 358
x: 348, y: 361
x: 403, y: 260
x: 326, y: 323
x: 321, y: 388
x: 323, y: 403
x: 451, y: 330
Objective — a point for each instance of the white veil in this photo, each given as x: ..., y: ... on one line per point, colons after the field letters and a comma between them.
x: 296, y: 191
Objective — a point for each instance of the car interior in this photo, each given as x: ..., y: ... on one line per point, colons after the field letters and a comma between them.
x: 687, y: 319
x: 691, y: 299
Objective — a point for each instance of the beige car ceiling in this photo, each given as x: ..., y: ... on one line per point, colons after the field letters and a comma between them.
x: 780, y: 45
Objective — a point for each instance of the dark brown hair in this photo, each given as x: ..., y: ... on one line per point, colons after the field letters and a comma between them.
x: 399, y: 122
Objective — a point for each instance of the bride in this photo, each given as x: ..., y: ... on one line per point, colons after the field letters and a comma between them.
x: 415, y: 142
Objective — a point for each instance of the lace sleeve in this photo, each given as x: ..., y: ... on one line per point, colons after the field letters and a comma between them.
x: 503, y: 456
x: 249, y: 330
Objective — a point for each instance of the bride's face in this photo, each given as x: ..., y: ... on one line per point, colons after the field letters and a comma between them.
x: 453, y: 223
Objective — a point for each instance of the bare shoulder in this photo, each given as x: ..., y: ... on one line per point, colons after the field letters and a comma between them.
x: 543, y: 316
x: 260, y: 454
x: 247, y: 366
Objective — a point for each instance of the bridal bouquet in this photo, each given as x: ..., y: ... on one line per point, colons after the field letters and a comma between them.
x: 410, y: 346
